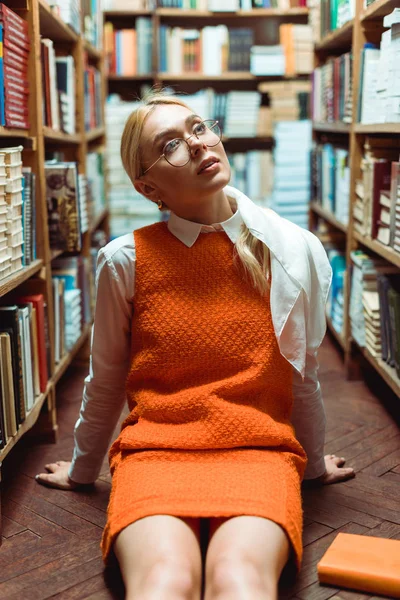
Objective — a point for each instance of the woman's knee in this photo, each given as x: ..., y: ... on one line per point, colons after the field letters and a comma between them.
x: 171, y: 577
x: 235, y: 576
x: 159, y: 558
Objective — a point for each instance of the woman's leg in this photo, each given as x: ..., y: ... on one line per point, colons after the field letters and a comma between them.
x: 160, y: 558
x: 245, y: 558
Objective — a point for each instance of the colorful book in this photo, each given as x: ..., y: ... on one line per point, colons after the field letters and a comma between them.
x: 361, y: 562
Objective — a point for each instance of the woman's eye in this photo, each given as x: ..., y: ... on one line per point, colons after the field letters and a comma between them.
x: 200, y: 128
x: 171, y: 146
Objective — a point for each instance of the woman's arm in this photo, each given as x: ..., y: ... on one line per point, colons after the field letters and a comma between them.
x: 309, y: 421
x: 104, y: 389
x: 308, y: 417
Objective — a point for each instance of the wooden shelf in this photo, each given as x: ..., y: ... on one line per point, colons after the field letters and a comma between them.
x: 114, y: 14
x: 30, y: 420
x: 337, y: 127
x: 385, y: 252
x: 240, y: 14
x: 93, y: 134
x: 113, y: 77
x: 52, y: 26
x: 55, y: 253
x: 378, y: 9
x: 377, y: 128
x: 338, y: 39
x: 93, y: 52
x: 387, y: 372
x: 10, y: 132
x: 98, y: 219
x: 227, y: 76
x: 328, y: 216
x: 338, y: 337
x: 50, y: 135
x: 66, y: 360
x: 15, y: 279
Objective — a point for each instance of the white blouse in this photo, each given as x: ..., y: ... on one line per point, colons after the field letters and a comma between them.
x: 301, y: 277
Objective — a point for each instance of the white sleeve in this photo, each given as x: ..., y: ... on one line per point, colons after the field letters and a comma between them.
x: 308, y: 417
x: 104, y: 389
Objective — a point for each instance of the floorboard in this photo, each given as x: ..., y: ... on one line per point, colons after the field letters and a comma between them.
x: 51, y: 538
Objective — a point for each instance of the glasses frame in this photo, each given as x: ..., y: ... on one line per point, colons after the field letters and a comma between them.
x: 214, y: 122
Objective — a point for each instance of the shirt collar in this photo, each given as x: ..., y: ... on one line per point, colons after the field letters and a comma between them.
x: 188, y: 231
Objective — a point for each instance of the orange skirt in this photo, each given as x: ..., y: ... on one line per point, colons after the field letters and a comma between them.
x: 259, y: 482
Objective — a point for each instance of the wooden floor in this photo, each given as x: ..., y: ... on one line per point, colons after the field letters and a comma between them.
x: 51, y: 537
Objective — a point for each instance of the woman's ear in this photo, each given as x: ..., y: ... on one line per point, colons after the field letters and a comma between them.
x: 145, y: 189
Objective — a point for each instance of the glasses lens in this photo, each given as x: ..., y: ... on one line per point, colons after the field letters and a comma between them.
x: 210, y: 132
x: 177, y: 153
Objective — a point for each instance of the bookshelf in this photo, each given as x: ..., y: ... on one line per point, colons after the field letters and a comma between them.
x: 37, y: 141
x: 366, y: 26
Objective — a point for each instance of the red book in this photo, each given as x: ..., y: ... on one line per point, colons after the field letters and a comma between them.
x: 15, y: 61
x: 12, y: 95
x: 16, y: 121
x: 15, y: 19
x: 17, y: 108
x: 16, y: 35
x: 38, y: 302
x: 10, y: 43
x: 19, y: 86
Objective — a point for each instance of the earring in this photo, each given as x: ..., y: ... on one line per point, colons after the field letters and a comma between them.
x: 160, y: 204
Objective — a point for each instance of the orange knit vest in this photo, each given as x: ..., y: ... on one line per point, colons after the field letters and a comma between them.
x: 206, y: 371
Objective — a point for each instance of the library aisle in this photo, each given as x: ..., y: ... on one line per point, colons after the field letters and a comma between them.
x: 51, y: 537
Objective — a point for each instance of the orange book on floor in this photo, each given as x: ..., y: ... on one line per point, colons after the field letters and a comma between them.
x: 362, y: 562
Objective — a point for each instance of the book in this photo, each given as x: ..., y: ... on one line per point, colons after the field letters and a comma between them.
x: 361, y: 562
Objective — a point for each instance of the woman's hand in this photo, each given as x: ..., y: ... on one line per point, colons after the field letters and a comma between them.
x: 57, y: 476
x: 335, y: 470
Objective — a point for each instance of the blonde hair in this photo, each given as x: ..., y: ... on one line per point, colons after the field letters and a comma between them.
x: 252, y: 253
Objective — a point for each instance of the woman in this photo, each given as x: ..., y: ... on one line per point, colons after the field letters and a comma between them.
x: 210, y: 324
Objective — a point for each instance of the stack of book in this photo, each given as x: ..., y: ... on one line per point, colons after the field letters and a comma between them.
x: 334, y: 14
x: 24, y: 360
x: 335, y: 303
x: 330, y: 179
x: 92, y: 97
x: 129, y: 210
x: 291, y: 195
x: 389, y: 303
x: 288, y: 100
x: 364, y: 278
x: 252, y: 173
x: 129, y: 51
x: 95, y: 182
x: 14, y: 85
x: 64, y: 93
x: 241, y: 114
x: 73, y: 317
x: 59, y: 317
x: 69, y: 11
x: 379, y: 89
x: 12, y: 259
x: 371, y: 204
x: 93, y: 22
x: 267, y: 60
x: 76, y: 272
x: 63, y: 209
x: 372, y: 320
x: 332, y: 90
x: 297, y: 44
x: 83, y: 202
x: 58, y: 84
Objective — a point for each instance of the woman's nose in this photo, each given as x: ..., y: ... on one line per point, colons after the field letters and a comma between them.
x: 195, y: 143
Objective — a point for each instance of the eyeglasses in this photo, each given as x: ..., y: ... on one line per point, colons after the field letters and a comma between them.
x: 177, y: 151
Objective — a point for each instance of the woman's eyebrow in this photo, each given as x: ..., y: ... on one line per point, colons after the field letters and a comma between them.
x: 165, y: 132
